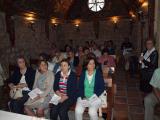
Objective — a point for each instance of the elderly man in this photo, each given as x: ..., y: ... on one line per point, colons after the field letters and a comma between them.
x: 153, y: 99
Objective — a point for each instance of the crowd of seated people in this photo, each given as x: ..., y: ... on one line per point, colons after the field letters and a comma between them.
x: 78, y: 76
x: 57, y: 75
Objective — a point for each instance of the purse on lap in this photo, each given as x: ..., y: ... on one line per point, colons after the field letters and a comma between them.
x: 103, y: 98
x: 16, y: 93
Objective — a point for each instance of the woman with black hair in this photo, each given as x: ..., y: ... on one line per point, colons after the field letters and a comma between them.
x: 22, y: 79
x: 65, y: 86
x: 91, y: 86
x: 46, y: 57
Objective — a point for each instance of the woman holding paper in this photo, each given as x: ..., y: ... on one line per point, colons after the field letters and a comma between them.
x: 91, y: 86
x: 22, y: 79
x: 65, y: 87
x: 42, y: 91
x: 149, y: 62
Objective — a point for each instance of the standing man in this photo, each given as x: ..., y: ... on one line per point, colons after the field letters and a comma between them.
x: 149, y: 62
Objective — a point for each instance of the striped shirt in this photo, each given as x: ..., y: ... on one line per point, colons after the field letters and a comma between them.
x: 63, y: 83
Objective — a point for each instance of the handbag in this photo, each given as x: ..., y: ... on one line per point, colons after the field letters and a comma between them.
x: 16, y: 93
x: 103, y: 98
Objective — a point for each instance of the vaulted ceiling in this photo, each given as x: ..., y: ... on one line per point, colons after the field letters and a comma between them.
x: 69, y: 9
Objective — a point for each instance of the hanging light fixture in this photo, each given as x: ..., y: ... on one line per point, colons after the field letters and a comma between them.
x: 114, y: 19
x: 131, y: 13
x: 54, y: 21
x: 77, y: 23
x: 30, y: 17
x: 145, y: 4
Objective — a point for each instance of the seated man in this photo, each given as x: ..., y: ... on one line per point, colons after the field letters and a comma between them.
x: 73, y: 60
x: 153, y: 98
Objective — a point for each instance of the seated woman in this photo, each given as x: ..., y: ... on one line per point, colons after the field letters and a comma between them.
x: 22, y: 78
x: 44, y: 82
x: 65, y: 86
x: 106, y: 57
x: 91, y: 86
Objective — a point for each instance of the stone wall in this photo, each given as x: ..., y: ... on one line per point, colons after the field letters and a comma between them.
x: 106, y: 32
x: 4, y: 38
x: 31, y: 40
x: 157, y: 25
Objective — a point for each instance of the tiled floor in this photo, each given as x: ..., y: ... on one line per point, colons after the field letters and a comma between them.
x: 128, y: 99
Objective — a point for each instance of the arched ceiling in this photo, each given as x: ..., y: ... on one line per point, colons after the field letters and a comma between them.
x: 69, y: 9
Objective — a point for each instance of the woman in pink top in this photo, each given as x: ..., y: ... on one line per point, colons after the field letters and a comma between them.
x: 107, y: 58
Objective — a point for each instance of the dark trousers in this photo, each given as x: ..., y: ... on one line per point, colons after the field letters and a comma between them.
x: 146, y: 76
x: 61, y: 110
x: 17, y: 106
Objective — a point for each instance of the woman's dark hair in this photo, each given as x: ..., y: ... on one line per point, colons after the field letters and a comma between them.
x: 22, y: 57
x: 105, y: 51
x: 40, y: 61
x: 68, y: 46
x: 66, y: 61
x: 105, y: 62
x: 90, y: 56
x: 44, y: 56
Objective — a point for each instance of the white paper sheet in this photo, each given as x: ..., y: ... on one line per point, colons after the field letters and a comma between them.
x: 85, y: 103
x: 34, y: 93
x: 55, y: 99
x: 93, y: 99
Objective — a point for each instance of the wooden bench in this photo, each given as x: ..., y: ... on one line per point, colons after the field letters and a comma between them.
x: 110, y: 93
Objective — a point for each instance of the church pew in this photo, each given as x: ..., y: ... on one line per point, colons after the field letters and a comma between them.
x: 110, y: 102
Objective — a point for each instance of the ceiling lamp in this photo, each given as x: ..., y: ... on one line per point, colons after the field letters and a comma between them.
x: 54, y: 21
x: 115, y: 19
x: 77, y: 22
x: 132, y: 14
x: 30, y: 17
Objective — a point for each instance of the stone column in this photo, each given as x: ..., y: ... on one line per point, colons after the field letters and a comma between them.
x: 157, y: 26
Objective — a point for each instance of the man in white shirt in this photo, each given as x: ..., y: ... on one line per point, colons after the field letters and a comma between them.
x: 96, y: 51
